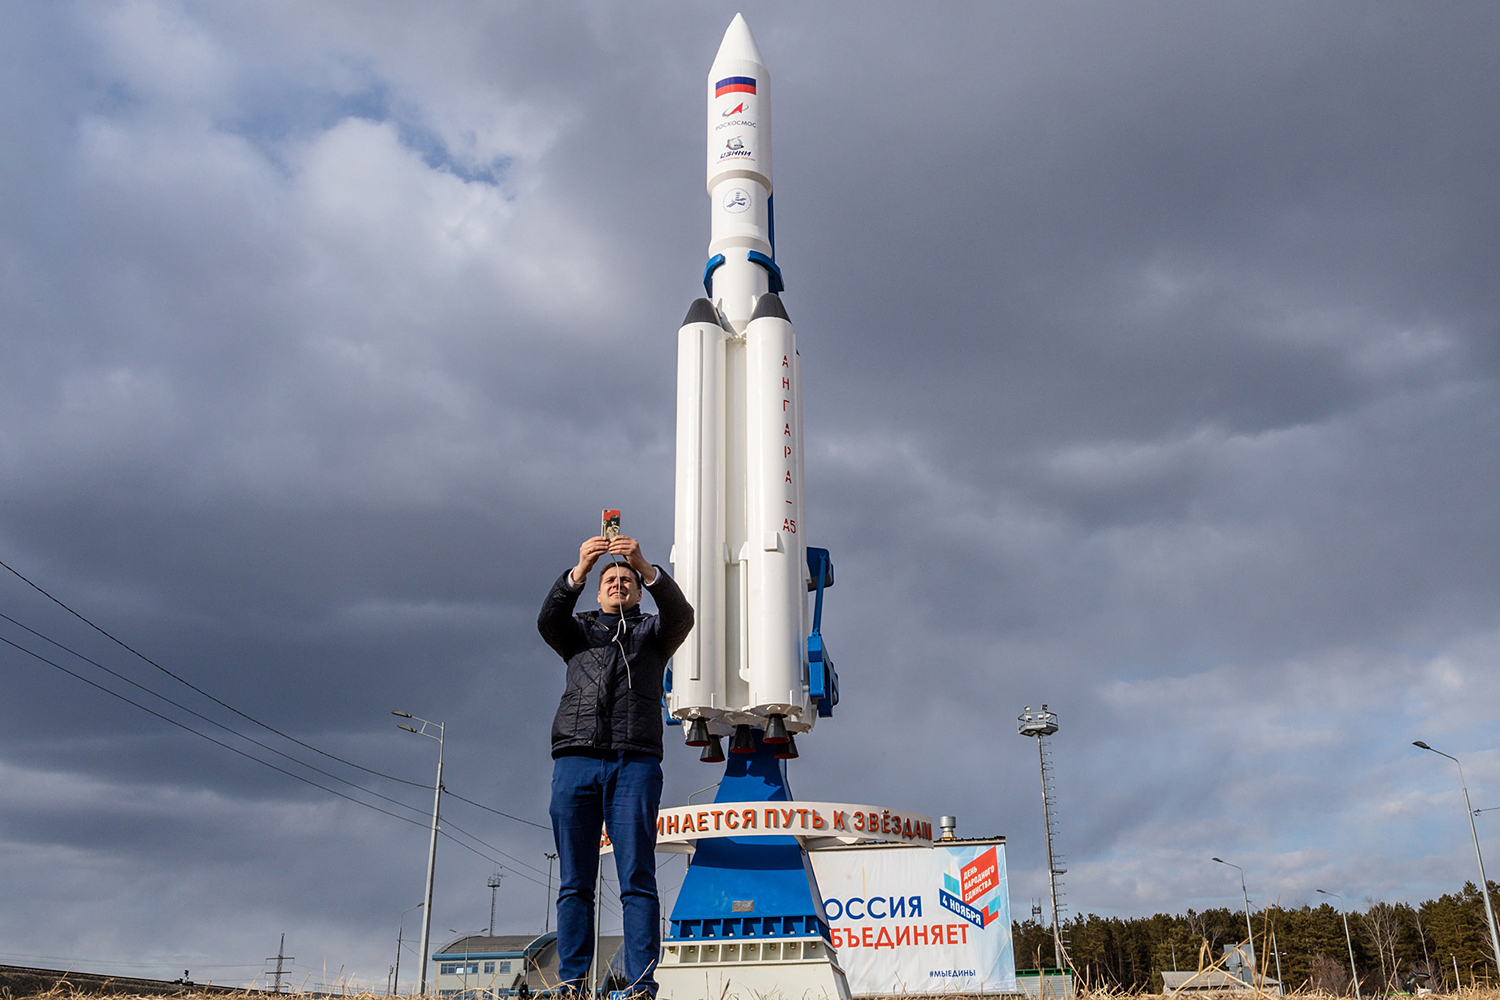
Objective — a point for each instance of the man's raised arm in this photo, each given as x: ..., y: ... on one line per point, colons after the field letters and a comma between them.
x: 674, y: 613
x: 556, y: 622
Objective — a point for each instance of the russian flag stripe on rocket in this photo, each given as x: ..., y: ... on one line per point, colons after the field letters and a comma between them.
x: 735, y: 85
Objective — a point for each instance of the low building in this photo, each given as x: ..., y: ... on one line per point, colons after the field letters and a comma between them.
x: 1046, y: 984
x: 481, y: 967
x: 1234, y: 973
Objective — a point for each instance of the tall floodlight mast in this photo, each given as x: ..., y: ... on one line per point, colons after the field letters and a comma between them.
x: 1042, y: 725
x: 494, y: 883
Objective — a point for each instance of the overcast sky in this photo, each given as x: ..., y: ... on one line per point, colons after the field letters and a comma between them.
x: 1150, y: 355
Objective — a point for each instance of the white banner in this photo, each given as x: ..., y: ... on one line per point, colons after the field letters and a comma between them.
x: 815, y: 824
x: 920, y: 920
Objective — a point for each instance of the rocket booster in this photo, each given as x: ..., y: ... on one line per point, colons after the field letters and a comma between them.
x: 740, y: 554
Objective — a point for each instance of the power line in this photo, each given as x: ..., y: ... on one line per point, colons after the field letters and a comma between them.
x: 135, y: 652
x: 471, y: 850
x: 190, y: 729
x: 497, y: 812
x: 251, y: 739
x: 247, y: 756
x: 281, y: 770
x: 447, y: 825
x: 212, y: 722
x: 517, y: 861
x: 124, y: 645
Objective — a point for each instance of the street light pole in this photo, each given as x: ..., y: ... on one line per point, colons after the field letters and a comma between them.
x: 1277, y: 953
x: 1347, y: 940
x: 437, y: 799
x: 594, y: 978
x: 547, y: 912
x: 1249, y: 934
x: 1484, y: 885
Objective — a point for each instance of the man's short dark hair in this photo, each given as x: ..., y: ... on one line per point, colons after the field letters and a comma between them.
x: 640, y: 581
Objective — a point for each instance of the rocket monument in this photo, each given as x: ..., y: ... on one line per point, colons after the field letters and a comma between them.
x: 749, y: 919
x: 740, y: 552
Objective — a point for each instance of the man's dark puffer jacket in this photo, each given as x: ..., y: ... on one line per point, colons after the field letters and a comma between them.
x: 605, y: 706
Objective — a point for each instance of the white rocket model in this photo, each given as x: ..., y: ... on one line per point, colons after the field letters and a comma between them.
x: 740, y: 554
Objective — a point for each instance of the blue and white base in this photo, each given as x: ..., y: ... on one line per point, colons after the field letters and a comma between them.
x: 749, y: 919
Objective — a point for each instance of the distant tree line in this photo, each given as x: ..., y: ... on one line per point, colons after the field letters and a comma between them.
x: 1447, y: 938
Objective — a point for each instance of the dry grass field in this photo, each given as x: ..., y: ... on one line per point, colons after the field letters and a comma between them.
x: 66, y: 991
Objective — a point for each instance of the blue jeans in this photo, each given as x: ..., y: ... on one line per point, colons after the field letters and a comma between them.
x: 623, y: 793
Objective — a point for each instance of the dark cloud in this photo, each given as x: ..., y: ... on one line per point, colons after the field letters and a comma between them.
x: 1151, y: 368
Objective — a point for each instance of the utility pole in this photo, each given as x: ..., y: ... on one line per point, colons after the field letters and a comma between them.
x: 494, y: 883
x: 547, y: 907
x: 400, y: 930
x: 1042, y: 725
x: 396, y: 976
x: 280, y: 958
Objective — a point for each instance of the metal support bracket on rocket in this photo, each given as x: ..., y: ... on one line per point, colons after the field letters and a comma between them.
x: 749, y: 917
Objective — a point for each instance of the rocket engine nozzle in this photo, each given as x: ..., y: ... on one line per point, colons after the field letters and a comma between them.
x: 697, y: 733
x: 776, y: 730
x: 743, y: 740
x: 713, y: 751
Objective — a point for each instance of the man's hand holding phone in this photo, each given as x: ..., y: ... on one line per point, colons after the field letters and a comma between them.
x: 588, y: 554
x: 609, y: 541
x: 628, y: 547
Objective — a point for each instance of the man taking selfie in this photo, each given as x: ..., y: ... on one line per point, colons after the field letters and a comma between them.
x: 607, y: 748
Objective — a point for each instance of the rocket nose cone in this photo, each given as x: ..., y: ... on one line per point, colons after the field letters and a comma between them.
x: 738, y: 43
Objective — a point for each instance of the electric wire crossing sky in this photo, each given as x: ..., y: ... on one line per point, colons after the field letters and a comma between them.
x: 740, y: 553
